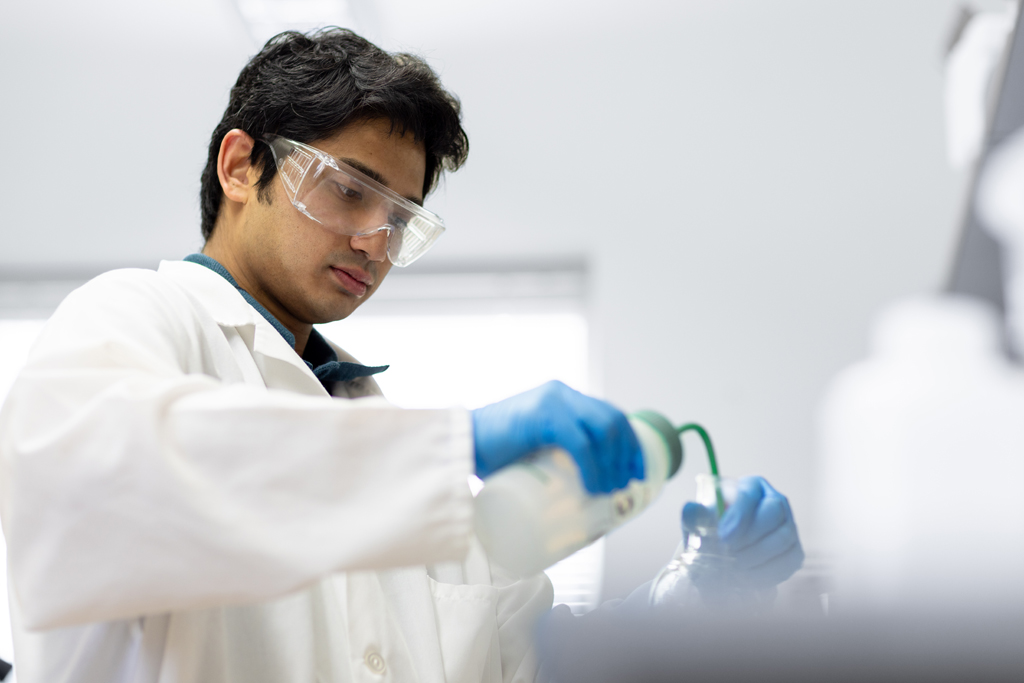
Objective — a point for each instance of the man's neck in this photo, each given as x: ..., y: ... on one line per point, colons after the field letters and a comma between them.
x: 299, y: 330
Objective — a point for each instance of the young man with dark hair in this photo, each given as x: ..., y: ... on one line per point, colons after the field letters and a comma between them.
x: 189, y: 495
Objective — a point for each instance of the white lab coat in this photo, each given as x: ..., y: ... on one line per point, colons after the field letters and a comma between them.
x: 183, y: 502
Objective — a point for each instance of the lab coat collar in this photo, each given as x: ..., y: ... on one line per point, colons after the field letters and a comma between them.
x: 215, y: 265
x: 222, y: 301
x: 228, y: 308
x: 319, y: 356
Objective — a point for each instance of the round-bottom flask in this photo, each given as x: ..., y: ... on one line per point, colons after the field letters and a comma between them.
x: 702, y: 575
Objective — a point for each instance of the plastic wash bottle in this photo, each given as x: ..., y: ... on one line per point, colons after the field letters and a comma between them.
x: 536, y: 512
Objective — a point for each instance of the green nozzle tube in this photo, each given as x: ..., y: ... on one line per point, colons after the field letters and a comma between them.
x: 691, y: 426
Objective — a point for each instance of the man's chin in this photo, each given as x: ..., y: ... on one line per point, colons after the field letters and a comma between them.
x: 332, y: 305
x: 333, y: 313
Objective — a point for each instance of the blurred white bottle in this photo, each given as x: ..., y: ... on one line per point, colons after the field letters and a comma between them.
x: 922, y: 448
x: 536, y: 512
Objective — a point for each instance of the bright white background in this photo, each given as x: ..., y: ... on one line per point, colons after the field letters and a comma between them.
x: 746, y: 182
x: 466, y: 360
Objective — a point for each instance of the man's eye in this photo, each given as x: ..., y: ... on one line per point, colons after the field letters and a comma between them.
x: 348, y: 192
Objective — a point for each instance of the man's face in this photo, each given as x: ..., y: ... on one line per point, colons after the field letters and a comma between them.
x: 309, y: 273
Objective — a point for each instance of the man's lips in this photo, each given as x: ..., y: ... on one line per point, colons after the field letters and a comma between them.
x: 354, y: 280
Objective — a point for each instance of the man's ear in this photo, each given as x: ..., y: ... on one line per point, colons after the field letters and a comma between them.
x: 233, y: 165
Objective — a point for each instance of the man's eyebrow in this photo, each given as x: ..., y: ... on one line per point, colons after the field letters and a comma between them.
x: 366, y: 170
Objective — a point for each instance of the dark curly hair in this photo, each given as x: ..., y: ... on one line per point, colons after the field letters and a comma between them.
x: 308, y: 86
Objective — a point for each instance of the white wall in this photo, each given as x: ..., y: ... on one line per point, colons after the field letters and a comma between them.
x: 108, y: 106
x: 747, y: 180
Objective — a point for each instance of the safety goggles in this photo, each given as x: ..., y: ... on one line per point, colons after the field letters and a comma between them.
x: 346, y: 201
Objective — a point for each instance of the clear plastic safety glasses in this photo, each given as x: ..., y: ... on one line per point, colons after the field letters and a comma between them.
x: 347, y: 201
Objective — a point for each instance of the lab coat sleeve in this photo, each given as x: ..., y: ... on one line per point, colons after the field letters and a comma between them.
x: 130, y: 487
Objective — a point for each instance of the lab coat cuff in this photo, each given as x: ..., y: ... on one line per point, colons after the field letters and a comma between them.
x: 455, y: 464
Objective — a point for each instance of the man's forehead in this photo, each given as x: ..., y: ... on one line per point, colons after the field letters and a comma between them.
x: 382, y: 151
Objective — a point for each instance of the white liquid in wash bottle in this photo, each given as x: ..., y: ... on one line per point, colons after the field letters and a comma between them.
x: 536, y: 512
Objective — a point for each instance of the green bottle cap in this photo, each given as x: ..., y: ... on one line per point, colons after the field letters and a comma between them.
x: 668, y: 435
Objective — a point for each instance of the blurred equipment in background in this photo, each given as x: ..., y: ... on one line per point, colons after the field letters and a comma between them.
x: 1001, y: 209
x: 922, y: 443
x: 922, y: 461
x: 974, y: 57
x: 977, y: 267
x: 670, y: 650
x: 930, y: 427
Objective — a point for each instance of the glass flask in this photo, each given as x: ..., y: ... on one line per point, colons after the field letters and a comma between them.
x: 701, y: 576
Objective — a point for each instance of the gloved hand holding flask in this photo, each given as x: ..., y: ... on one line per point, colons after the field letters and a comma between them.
x: 757, y: 531
x: 732, y: 562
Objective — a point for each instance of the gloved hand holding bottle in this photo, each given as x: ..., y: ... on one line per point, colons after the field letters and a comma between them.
x: 596, y: 434
x: 561, y: 470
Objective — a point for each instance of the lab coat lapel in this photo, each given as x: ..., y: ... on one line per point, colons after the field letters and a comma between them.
x: 280, y: 366
x: 277, y: 362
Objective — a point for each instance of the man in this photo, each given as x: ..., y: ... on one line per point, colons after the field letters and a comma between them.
x: 182, y: 497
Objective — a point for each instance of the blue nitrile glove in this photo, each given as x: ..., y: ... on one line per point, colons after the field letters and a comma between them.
x: 757, y: 530
x: 596, y: 434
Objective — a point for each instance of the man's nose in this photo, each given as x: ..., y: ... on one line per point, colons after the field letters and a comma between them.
x: 374, y: 245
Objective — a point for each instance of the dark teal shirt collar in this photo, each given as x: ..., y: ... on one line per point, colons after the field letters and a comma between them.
x: 318, y: 354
